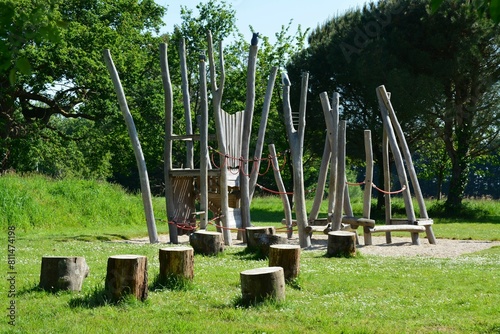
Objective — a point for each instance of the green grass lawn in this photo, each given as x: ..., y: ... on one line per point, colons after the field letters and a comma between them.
x: 365, y: 294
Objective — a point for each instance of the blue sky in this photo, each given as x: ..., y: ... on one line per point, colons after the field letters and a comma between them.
x: 267, y: 16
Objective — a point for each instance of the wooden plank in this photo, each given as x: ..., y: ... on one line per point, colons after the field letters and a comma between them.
x: 358, y: 221
x: 394, y: 228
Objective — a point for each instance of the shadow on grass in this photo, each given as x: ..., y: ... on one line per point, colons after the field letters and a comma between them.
x: 171, y: 282
x: 91, y: 238
x: 247, y: 254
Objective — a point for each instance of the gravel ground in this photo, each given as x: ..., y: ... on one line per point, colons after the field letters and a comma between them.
x: 444, y: 248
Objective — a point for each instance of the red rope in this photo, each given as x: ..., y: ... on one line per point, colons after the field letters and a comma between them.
x: 389, y: 192
x: 273, y: 191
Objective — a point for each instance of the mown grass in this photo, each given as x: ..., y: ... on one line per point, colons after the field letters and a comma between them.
x: 364, y: 294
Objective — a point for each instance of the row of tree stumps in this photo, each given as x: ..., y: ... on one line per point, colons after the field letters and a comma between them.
x: 127, y: 275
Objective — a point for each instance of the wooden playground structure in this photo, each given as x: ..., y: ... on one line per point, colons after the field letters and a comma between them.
x: 226, y: 187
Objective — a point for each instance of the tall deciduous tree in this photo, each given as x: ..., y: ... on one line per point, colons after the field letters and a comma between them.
x: 440, y: 68
x: 53, y: 71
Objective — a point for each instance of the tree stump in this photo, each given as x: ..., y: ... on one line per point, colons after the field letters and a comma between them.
x: 206, y: 243
x: 63, y: 273
x: 264, y: 241
x: 177, y: 262
x: 341, y: 243
x: 254, y: 233
x: 287, y: 257
x: 262, y: 283
x: 127, y: 274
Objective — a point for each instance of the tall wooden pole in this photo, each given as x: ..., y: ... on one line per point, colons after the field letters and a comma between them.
x: 203, y: 144
x: 187, y: 103
x: 262, y: 130
x: 217, y: 93
x: 136, y: 145
x: 167, y: 151
x: 398, y: 159
x: 340, y: 182
x: 281, y: 188
x: 296, y: 139
x: 247, y: 130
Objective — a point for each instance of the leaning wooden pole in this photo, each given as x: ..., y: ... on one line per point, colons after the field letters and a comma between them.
x: 406, y: 153
x: 296, y: 140
x: 398, y: 159
x: 136, y: 145
x: 282, y: 190
x: 320, y: 187
x: 217, y: 93
x: 167, y: 150
x: 262, y: 131
x: 247, y: 130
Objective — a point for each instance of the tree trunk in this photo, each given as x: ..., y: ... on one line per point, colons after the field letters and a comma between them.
x: 458, y: 182
x: 127, y: 274
x: 177, y: 262
x: 287, y: 257
x: 63, y: 273
x: 341, y: 244
x: 206, y: 242
x: 262, y: 283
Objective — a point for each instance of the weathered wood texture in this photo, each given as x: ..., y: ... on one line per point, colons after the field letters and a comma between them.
x: 287, y: 257
x: 126, y: 274
x: 341, y: 244
x: 262, y: 283
x: 281, y: 187
x: 136, y: 145
x: 296, y: 140
x: 253, y: 233
x: 63, y: 273
x: 177, y: 262
x: 207, y: 242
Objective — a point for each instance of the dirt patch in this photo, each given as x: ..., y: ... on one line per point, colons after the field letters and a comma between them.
x: 444, y: 248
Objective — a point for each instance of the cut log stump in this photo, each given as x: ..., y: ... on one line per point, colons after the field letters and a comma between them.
x: 287, y: 257
x: 176, y: 262
x: 63, y: 273
x: 255, y: 234
x: 264, y: 283
x: 127, y: 274
x: 206, y: 242
x: 341, y: 244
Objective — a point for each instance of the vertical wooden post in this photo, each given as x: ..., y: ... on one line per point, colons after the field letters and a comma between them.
x: 167, y: 151
x: 320, y: 188
x: 247, y: 130
x: 296, y: 139
x: 281, y: 188
x: 187, y: 103
x: 136, y: 145
x: 203, y: 144
x: 387, y: 185
x: 217, y: 93
x: 367, y: 194
x: 340, y: 184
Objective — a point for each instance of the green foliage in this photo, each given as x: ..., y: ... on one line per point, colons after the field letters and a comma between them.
x: 441, y: 69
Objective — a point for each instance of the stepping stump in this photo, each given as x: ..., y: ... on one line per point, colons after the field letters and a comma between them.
x: 176, y: 262
x: 262, y: 283
x: 206, y: 243
x: 287, y: 257
x: 63, y: 273
x: 127, y: 274
x: 341, y: 244
x: 260, y: 238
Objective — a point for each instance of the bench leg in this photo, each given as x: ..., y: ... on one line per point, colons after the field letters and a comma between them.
x: 415, y: 240
x: 368, y: 236
x: 430, y: 234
